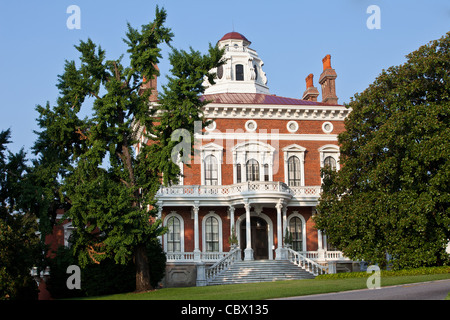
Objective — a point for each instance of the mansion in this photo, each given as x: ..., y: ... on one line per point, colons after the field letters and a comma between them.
x: 251, y: 190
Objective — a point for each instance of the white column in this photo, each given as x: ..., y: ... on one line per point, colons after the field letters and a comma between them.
x: 248, y: 228
x: 279, y: 249
x: 231, y: 210
x: 159, y: 216
x: 197, y: 255
x: 284, y: 219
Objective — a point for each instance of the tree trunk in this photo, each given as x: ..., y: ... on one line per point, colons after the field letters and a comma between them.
x: 142, y: 269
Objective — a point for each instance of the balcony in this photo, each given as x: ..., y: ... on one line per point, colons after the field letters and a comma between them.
x: 255, y: 192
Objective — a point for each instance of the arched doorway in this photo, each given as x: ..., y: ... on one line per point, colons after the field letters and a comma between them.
x: 260, y: 237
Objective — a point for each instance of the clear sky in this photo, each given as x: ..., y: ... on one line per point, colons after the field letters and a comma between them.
x: 291, y: 37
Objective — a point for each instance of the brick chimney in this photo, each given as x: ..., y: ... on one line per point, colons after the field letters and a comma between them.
x: 153, y: 84
x: 327, y: 81
x: 311, y: 92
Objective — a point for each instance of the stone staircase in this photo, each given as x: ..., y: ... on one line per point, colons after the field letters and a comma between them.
x: 260, y: 271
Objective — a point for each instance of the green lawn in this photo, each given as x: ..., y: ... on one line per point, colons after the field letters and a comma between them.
x: 267, y: 290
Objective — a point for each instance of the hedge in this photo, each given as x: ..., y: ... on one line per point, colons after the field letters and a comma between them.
x: 388, y: 273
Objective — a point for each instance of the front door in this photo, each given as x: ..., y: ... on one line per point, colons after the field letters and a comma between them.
x: 260, y: 238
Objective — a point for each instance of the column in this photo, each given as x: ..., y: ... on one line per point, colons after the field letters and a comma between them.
x: 197, y: 253
x: 278, y: 251
x: 159, y: 216
x: 233, y: 234
x: 231, y: 210
x: 248, y: 252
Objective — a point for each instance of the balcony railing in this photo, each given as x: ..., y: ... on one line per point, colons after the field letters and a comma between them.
x: 240, y: 188
x: 216, y: 256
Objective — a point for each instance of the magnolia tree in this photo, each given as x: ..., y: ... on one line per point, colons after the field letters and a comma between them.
x: 391, y: 197
x: 108, y: 188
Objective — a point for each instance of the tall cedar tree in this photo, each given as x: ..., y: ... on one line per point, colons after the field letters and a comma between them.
x: 19, y: 244
x: 391, y: 197
x: 109, y: 188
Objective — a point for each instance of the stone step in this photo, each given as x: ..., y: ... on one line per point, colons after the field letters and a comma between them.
x: 260, y: 271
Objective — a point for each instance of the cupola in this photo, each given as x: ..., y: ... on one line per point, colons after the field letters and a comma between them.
x: 242, y: 71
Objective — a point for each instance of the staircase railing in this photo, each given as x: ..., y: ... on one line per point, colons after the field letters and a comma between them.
x: 305, y: 263
x: 223, y: 264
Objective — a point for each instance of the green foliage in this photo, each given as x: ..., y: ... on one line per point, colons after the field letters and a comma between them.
x: 91, y: 165
x: 101, y: 279
x: 391, y: 195
x: 387, y: 273
x: 19, y: 244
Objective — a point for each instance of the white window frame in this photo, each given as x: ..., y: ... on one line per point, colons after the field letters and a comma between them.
x: 211, y: 149
x: 257, y: 150
x: 330, y: 150
x: 166, y: 220
x: 299, y: 152
x: 295, y: 214
x: 211, y: 214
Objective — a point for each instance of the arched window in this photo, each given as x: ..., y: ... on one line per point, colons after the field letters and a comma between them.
x: 294, y: 176
x: 174, y: 235
x: 212, y: 234
x: 211, y: 171
x: 295, y: 229
x: 239, y: 72
x: 252, y: 170
x: 330, y: 162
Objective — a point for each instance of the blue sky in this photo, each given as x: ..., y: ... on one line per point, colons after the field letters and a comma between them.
x: 291, y: 36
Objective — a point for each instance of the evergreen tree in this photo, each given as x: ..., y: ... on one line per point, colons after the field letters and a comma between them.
x: 391, y: 196
x: 19, y: 244
x: 109, y: 189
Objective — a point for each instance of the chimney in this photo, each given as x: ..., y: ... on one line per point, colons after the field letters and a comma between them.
x: 311, y: 92
x: 153, y: 85
x: 327, y: 81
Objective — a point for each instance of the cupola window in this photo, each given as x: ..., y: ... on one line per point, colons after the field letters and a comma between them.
x: 239, y: 72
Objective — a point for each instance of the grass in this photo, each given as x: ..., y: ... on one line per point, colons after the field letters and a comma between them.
x: 267, y: 290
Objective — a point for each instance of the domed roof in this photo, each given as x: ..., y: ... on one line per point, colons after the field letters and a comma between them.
x: 235, y: 36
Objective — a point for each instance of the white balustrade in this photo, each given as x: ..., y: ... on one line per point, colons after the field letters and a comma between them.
x: 306, y: 263
x: 235, y: 189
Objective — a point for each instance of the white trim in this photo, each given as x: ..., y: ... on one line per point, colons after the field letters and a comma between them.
x: 166, y: 219
x: 213, y: 126
x: 219, y: 220
x: 276, y: 111
x: 251, y: 122
x: 329, y: 124
x: 299, y: 152
x: 288, y: 126
x: 330, y: 150
x: 298, y: 215
x: 68, y: 231
x: 211, y: 149
x: 272, y: 136
x: 257, y: 150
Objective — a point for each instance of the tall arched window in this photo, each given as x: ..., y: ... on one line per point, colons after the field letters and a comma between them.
x: 174, y: 235
x: 330, y: 162
x: 295, y: 229
x: 211, y: 171
x: 252, y: 170
x: 239, y: 72
x: 294, y: 176
x: 212, y: 234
